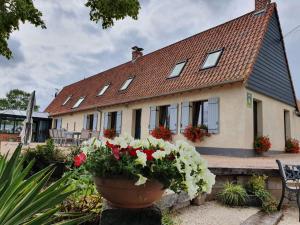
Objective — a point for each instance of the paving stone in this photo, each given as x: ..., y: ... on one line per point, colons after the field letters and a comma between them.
x: 168, y: 200
x: 262, y: 218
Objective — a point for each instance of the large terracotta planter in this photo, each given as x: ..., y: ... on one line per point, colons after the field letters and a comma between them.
x: 122, y: 193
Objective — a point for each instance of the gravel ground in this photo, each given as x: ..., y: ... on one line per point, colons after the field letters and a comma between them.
x: 290, y: 216
x: 212, y: 213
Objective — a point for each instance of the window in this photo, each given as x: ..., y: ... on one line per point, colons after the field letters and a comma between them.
x: 126, y: 84
x: 90, y: 121
x: 77, y: 104
x: 113, y: 120
x: 200, y: 113
x: 287, y: 125
x: 212, y: 59
x: 257, y: 119
x: 164, y: 116
x: 66, y: 101
x: 11, y: 125
x: 103, y: 90
x: 177, y: 69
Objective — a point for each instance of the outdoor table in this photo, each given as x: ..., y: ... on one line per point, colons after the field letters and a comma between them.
x: 75, y: 135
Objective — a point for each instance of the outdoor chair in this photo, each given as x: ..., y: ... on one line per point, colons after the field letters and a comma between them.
x: 95, y: 134
x: 66, y: 137
x: 84, y: 136
x: 290, y: 177
x: 55, y: 136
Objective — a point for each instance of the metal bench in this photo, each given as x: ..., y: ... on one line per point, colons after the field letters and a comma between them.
x: 290, y: 177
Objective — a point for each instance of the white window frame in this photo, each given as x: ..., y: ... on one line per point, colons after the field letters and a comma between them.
x: 78, y: 103
x: 126, y: 84
x: 183, y: 63
x: 103, y: 90
x: 211, y: 54
x: 67, y: 100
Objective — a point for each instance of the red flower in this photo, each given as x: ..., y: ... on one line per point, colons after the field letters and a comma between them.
x: 132, y: 152
x: 79, y: 159
x: 109, y: 133
x: 162, y: 132
x: 149, y: 153
x: 115, y: 150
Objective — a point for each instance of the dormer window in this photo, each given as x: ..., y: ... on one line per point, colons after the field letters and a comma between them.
x: 67, y: 100
x: 177, y: 69
x: 126, y: 84
x: 103, y: 90
x: 212, y: 59
x: 77, y: 104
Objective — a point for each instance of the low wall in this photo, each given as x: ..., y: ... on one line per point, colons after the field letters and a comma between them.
x: 9, y: 137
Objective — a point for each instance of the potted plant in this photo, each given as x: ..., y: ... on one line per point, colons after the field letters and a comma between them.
x: 109, y: 133
x: 194, y: 134
x: 134, y: 173
x: 162, y: 132
x: 292, y: 146
x: 262, y: 144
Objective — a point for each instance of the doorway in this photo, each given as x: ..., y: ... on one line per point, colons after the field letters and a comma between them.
x: 137, y: 123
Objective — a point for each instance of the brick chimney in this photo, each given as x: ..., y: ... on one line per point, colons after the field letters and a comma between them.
x: 136, y: 52
x: 261, y: 4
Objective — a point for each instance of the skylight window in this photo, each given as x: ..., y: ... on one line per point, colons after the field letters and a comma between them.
x: 67, y: 100
x: 212, y: 59
x: 103, y: 90
x: 177, y: 69
x: 126, y: 84
x: 77, y: 104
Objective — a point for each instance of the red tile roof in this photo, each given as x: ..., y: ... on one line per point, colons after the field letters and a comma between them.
x: 241, y: 39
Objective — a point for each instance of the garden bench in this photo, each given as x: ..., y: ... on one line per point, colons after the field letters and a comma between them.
x: 290, y: 177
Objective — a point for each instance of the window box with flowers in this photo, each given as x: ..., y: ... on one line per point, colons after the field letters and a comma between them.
x: 162, y: 132
x: 262, y: 144
x: 109, y: 133
x: 196, y: 133
x: 292, y: 146
x: 134, y: 173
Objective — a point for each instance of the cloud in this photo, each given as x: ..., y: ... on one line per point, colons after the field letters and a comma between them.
x: 72, y: 47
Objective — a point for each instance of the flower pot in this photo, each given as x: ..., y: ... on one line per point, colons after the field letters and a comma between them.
x: 122, y: 193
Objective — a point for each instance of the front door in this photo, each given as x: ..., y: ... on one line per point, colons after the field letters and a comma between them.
x: 137, y: 129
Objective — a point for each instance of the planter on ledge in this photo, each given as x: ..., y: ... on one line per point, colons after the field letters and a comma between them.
x: 123, y: 193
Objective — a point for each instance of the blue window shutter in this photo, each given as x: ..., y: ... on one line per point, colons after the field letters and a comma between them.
x: 213, y: 115
x: 59, y: 123
x: 105, y: 124
x: 119, y: 122
x: 173, y: 118
x: 153, y: 116
x: 84, y: 121
x: 185, y: 115
x: 95, y: 121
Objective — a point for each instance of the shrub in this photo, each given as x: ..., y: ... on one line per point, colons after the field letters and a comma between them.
x: 233, y: 195
x: 196, y: 133
x: 162, y: 132
x: 30, y: 201
x: 256, y: 183
x: 292, y: 146
x: 109, y: 133
x: 262, y: 144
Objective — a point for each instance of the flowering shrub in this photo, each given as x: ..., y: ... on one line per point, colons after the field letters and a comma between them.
x: 109, y: 133
x: 195, y: 133
x: 177, y: 166
x: 162, y: 132
x: 262, y: 144
x: 292, y: 146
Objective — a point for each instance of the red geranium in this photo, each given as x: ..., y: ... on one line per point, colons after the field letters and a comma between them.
x: 162, y: 132
x: 149, y: 153
x: 79, y: 159
x: 109, y: 133
x: 195, y: 133
x: 292, y: 146
x: 262, y: 144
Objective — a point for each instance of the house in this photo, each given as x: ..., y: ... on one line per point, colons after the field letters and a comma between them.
x: 233, y: 78
x: 11, y: 123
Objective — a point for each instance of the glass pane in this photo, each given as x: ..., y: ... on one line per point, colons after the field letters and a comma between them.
x: 177, y: 69
x: 212, y: 59
x: 66, y: 101
x: 18, y: 126
x: 78, y: 102
x: 126, y: 84
x: 103, y: 90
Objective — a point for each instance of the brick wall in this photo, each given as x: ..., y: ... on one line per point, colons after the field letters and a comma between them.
x: 9, y: 137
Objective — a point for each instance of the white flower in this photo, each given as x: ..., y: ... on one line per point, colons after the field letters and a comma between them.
x: 141, y: 180
x: 153, y: 141
x: 141, y: 158
x: 136, y: 144
x: 159, y: 154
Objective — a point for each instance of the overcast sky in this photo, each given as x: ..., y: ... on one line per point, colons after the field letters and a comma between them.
x: 72, y: 47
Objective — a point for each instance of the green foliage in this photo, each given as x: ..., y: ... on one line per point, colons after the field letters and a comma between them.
x: 12, y: 12
x: 107, y: 11
x: 257, y: 186
x: 233, y: 195
x: 15, y: 98
x: 167, y: 219
x: 45, y: 155
x: 30, y: 201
